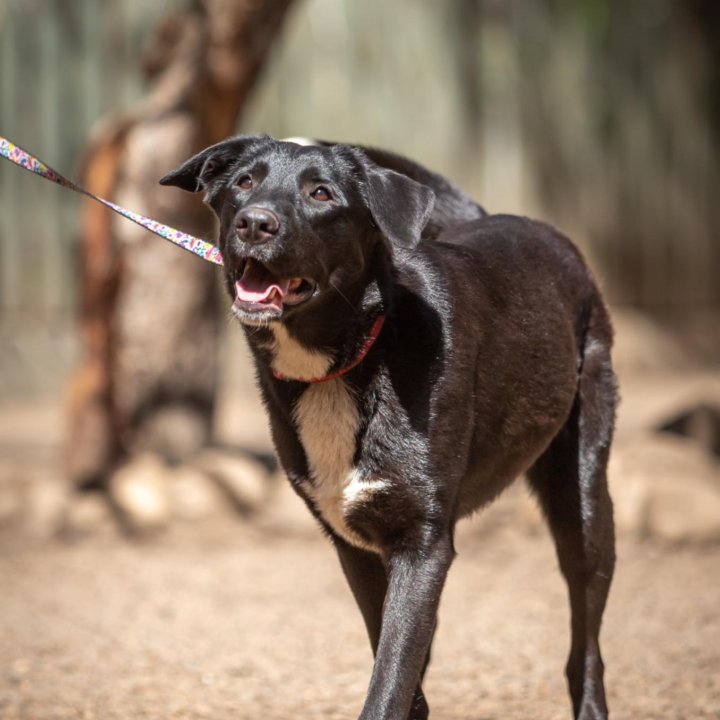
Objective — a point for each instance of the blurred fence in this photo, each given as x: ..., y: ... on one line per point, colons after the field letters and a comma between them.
x: 526, y: 103
x: 63, y: 63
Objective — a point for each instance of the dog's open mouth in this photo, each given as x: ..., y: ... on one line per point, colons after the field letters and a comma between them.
x: 257, y: 288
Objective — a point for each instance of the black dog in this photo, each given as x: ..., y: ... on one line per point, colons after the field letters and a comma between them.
x: 415, y: 356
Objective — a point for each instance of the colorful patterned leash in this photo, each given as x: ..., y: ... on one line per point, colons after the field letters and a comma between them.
x: 202, y: 248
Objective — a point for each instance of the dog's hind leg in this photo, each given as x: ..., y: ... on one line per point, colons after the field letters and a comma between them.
x: 366, y: 576
x: 570, y: 482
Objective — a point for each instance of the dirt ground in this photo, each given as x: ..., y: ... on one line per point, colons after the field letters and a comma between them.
x: 237, y: 618
x: 226, y: 620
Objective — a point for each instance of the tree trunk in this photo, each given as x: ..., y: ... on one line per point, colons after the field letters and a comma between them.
x: 149, y: 311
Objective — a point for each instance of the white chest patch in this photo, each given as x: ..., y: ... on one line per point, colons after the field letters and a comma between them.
x: 328, y: 421
x: 294, y: 360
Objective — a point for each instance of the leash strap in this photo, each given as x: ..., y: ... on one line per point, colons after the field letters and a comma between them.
x: 202, y: 248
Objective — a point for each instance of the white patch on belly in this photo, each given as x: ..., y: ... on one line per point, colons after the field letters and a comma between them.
x: 328, y: 421
x: 293, y: 360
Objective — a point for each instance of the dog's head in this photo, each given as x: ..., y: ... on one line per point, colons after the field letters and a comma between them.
x: 299, y: 224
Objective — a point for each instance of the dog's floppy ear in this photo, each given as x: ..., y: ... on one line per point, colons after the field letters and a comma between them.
x: 400, y: 206
x: 195, y: 174
x: 200, y: 170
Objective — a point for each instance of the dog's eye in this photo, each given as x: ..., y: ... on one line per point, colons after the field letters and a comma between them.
x: 321, y: 193
x: 245, y: 182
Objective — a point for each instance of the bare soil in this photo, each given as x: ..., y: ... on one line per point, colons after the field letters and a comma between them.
x: 229, y: 620
x: 250, y: 618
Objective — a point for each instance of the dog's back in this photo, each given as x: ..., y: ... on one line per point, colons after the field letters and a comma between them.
x: 524, y: 308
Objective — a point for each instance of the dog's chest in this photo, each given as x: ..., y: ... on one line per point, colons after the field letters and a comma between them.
x: 328, y: 421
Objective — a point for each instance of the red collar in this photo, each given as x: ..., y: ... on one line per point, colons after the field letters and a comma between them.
x: 364, y: 350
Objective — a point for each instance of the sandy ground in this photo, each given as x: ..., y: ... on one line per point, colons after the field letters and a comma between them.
x: 227, y: 620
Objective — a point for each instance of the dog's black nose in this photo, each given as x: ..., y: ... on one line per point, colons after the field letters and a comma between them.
x: 256, y: 224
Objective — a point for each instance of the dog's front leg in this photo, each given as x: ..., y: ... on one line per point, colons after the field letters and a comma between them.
x: 366, y: 576
x: 416, y: 574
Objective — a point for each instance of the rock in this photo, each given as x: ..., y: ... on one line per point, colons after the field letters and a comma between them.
x: 139, y: 491
x: 47, y: 500
x: 701, y: 422
x: 665, y: 487
x: 642, y: 345
x: 650, y: 401
x: 88, y: 513
x: 175, y: 432
x: 244, y: 480
x: 193, y: 495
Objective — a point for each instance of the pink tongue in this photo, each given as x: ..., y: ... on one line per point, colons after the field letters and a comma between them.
x: 257, y: 285
x: 252, y: 292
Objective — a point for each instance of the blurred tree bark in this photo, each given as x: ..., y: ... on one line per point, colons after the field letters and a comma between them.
x: 149, y: 311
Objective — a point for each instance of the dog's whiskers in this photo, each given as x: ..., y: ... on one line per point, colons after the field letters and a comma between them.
x: 230, y: 316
